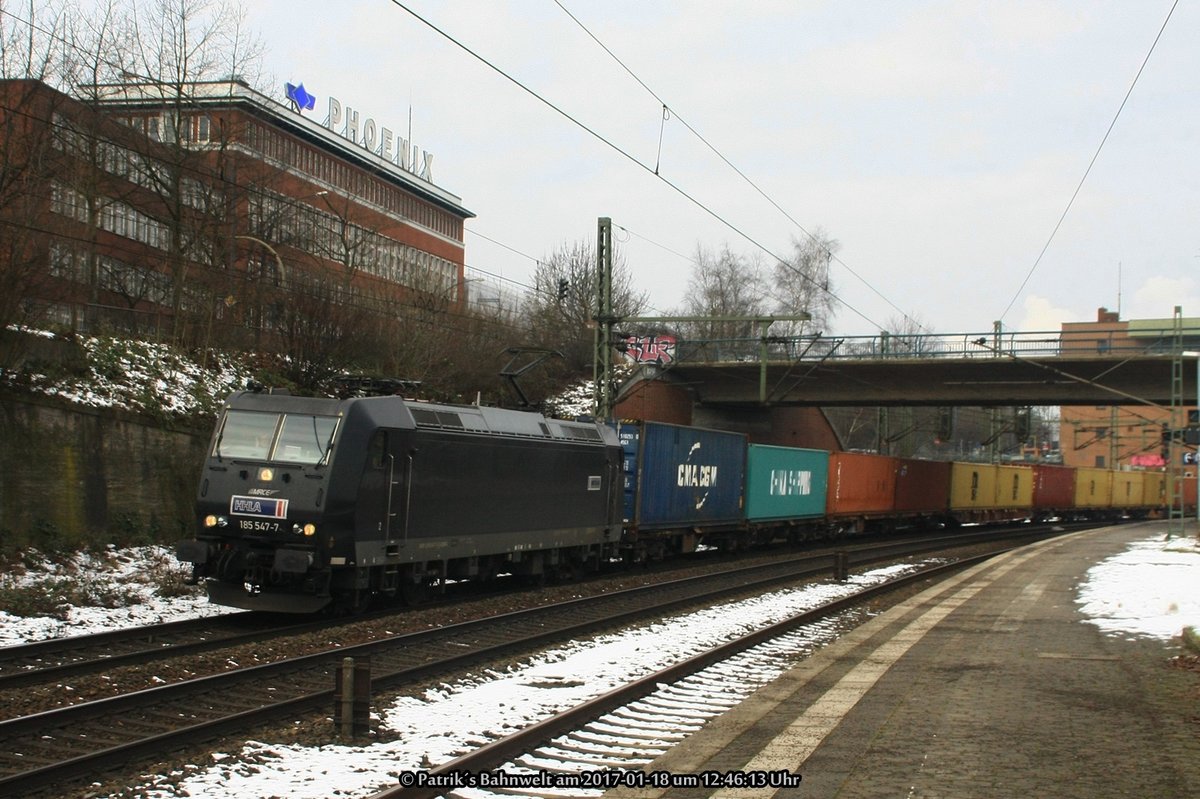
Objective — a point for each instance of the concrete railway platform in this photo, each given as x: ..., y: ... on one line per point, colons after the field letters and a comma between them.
x: 989, y: 684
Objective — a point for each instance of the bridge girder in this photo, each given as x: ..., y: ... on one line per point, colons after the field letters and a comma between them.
x: 983, y: 381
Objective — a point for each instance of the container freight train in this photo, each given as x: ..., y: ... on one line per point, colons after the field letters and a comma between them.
x: 306, y: 504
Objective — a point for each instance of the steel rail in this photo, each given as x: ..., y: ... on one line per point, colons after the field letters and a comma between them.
x: 499, y: 752
x: 406, y: 657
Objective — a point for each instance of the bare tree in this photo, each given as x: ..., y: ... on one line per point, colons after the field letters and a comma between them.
x: 28, y: 54
x: 174, y: 46
x: 560, y: 312
x: 802, y: 284
x: 723, y: 284
x: 907, y: 337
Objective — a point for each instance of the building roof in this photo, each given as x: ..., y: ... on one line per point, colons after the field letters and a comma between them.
x: 233, y: 93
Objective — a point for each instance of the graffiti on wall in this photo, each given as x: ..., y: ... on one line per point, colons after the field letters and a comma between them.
x: 649, y: 349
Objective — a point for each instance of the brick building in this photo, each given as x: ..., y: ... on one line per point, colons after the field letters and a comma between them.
x: 1129, y: 435
x: 215, y: 214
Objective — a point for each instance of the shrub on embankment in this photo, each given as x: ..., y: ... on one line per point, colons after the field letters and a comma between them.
x: 102, y: 442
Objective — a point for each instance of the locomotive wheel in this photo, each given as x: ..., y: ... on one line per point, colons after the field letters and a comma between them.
x: 414, y: 593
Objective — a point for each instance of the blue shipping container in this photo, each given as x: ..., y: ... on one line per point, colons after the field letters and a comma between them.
x: 785, y: 483
x: 683, y: 476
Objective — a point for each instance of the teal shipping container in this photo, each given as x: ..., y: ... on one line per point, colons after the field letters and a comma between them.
x: 785, y: 483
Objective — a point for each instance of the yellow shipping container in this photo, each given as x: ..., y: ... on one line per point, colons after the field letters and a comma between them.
x: 1128, y: 489
x: 972, y: 486
x: 1154, y: 491
x: 1014, y: 487
x: 1093, y: 488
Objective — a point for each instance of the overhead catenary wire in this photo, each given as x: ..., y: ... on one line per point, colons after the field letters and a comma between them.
x: 1096, y: 155
x: 612, y: 145
x: 672, y: 113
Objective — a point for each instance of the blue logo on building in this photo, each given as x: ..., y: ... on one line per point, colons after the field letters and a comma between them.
x: 301, y: 99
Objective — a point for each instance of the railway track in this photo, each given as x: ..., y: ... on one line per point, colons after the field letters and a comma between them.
x: 57, y: 658
x: 45, y: 749
x: 604, y: 742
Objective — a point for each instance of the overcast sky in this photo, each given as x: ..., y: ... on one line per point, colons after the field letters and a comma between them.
x: 938, y: 142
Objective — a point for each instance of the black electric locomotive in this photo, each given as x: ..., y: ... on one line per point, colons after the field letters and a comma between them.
x: 306, y: 503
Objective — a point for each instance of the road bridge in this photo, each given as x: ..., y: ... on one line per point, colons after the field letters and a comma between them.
x: 1040, y: 369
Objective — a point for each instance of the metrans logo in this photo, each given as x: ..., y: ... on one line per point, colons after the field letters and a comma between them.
x: 790, y: 483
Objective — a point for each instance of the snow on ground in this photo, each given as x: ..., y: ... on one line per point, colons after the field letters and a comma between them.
x: 1151, y: 590
x: 456, y: 718
x: 145, y: 377
x: 131, y: 579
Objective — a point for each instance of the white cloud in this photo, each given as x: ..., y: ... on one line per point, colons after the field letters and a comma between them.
x: 1041, y: 315
x: 1157, y: 297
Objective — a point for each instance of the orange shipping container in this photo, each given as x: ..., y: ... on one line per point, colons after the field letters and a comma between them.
x: 860, y: 484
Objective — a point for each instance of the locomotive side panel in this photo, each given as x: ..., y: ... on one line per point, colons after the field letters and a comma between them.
x: 506, y: 494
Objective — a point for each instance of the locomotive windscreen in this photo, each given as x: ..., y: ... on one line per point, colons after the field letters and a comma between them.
x: 284, y: 438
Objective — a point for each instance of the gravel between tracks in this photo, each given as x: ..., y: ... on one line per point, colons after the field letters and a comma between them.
x: 317, y: 729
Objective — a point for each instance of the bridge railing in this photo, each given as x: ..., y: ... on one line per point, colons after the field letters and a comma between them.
x: 934, y: 345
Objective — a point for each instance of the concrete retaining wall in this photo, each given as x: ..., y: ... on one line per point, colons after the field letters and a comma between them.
x: 70, y: 476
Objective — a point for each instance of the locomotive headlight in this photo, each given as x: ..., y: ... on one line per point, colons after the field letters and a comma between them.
x: 266, y: 475
x: 308, y: 530
x: 215, y: 521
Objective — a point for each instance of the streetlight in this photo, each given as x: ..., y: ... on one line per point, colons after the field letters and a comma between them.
x: 270, y: 249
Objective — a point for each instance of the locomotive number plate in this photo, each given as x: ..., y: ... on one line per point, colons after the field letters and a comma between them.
x: 258, y: 506
x: 253, y: 525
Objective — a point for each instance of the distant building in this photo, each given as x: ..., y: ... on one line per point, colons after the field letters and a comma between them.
x: 1127, y: 435
x: 211, y: 207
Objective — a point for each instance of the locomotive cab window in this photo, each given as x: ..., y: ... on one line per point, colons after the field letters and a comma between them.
x: 305, y: 439
x: 298, y: 438
x: 247, y: 434
x: 377, y: 451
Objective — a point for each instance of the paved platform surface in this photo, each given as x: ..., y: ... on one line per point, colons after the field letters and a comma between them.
x: 989, y: 684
